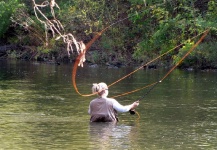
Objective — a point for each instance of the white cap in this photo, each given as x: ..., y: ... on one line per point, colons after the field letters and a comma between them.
x: 97, y: 88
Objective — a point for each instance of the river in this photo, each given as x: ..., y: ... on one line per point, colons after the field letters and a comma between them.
x: 39, y: 109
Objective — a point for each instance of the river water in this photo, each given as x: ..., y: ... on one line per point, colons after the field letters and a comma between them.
x: 39, y: 109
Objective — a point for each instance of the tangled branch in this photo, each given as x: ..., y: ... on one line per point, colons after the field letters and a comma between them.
x: 56, y: 27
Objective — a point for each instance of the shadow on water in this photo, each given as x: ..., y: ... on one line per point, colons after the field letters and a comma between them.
x: 39, y: 109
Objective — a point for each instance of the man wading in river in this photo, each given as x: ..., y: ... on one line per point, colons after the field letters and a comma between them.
x: 103, y: 109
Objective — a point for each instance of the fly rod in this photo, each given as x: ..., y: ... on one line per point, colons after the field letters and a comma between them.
x: 132, y: 112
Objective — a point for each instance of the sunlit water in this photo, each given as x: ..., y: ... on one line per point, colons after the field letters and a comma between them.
x: 39, y: 109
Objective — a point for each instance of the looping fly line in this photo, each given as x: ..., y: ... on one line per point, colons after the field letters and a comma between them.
x: 81, y: 58
x: 152, y: 84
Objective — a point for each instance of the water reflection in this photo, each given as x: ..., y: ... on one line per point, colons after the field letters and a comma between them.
x: 112, y: 135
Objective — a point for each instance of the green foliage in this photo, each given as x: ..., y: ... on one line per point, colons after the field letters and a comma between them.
x: 44, y: 50
x: 87, y: 16
x: 152, y: 28
x: 95, y: 57
x: 206, y: 55
x: 212, y: 11
x: 210, y: 19
x: 164, y: 27
x: 187, y: 46
x: 7, y: 8
x: 12, y: 54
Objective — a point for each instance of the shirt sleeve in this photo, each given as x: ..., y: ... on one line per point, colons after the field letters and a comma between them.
x: 89, y: 110
x: 120, y: 108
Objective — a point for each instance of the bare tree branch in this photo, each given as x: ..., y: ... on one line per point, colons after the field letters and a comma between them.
x: 56, y: 27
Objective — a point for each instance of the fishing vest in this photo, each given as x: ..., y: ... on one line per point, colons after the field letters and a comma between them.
x: 101, y: 110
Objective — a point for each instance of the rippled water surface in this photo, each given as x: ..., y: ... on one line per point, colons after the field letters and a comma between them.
x: 39, y: 109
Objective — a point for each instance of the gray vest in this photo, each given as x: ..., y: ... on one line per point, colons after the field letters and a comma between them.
x: 101, y: 110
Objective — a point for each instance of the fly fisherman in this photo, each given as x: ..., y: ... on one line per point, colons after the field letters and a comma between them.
x: 103, y: 109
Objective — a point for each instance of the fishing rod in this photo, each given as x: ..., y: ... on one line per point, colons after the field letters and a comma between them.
x: 132, y: 112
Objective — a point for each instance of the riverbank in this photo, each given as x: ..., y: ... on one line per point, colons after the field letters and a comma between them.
x: 110, y: 65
